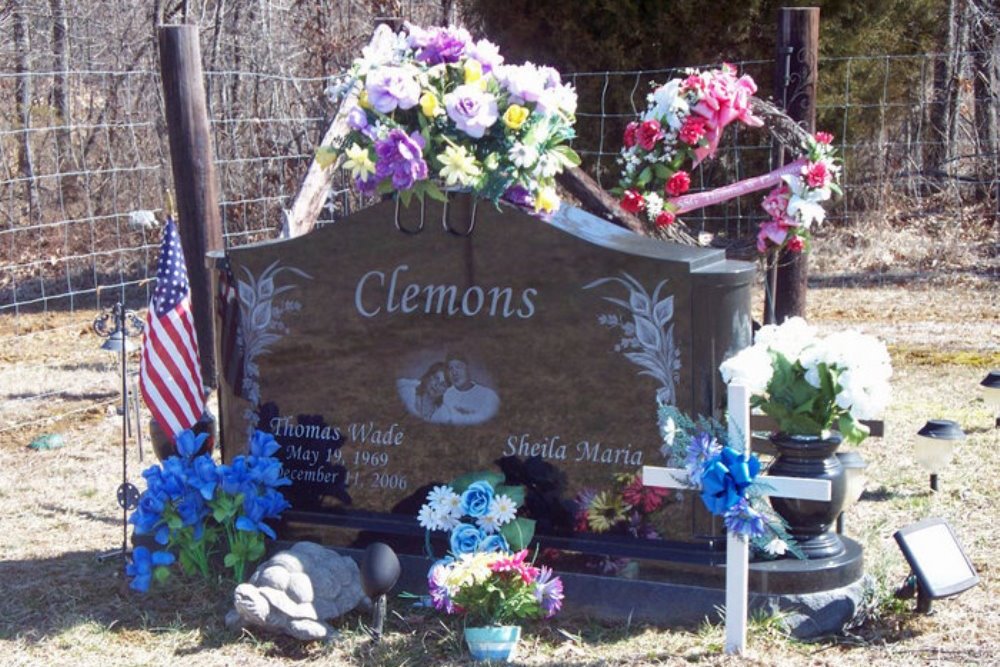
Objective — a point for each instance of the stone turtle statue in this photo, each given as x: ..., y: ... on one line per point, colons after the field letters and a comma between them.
x: 297, y: 590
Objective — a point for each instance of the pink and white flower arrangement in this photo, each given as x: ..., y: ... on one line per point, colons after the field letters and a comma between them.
x: 494, y: 588
x: 431, y: 107
x: 810, y: 384
x: 680, y: 128
x: 797, y: 204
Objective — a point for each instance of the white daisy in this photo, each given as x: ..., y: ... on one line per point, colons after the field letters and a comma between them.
x: 776, y: 547
x: 438, y: 495
x: 427, y: 517
x: 488, y: 523
x: 503, y: 509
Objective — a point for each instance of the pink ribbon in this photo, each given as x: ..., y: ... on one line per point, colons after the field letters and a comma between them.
x: 685, y: 203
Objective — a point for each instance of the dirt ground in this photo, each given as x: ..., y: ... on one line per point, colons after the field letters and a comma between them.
x: 59, y: 605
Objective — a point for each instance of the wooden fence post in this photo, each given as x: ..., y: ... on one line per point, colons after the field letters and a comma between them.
x: 193, y: 167
x: 795, y: 91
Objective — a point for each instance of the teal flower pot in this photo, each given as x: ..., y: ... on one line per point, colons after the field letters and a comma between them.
x: 493, y: 642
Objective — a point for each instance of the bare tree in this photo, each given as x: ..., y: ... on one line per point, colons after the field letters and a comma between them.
x: 22, y: 104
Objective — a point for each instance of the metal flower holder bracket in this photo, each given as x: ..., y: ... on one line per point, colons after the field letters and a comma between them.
x: 446, y: 221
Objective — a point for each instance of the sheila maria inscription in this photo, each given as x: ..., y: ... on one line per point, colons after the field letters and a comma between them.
x: 553, y: 448
x: 539, y: 349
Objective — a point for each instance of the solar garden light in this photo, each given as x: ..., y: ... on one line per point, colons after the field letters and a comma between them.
x: 854, y: 470
x: 935, y: 445
x: 116, y: 326
x: 939, y: 566
x: 991, y: 394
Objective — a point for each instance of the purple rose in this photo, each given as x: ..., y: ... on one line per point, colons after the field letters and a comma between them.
x: 438, y: 45
x: 486, y: 53
x: 390, y: 88
x: 526, y: 83
x: 400, y: 156
x: 366, y: 186
x: 472, y: 110
x: 519, y: 196
x: 357, y: 119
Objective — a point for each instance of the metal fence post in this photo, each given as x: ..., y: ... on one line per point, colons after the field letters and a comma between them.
x: 795, y: 91
x: 193, y: 168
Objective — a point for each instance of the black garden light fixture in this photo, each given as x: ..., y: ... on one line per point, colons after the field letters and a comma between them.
x: 991, y: 394
x: 940, y: 567
x: 380, y: 571
x: 935, y: 445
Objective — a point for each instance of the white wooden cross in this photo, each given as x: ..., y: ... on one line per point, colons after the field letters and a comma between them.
x: 737, y: 548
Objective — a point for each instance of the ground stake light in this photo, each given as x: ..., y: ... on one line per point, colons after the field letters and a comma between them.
x: 117, y: 326
x: 991, y: 394
x: 935, y: 445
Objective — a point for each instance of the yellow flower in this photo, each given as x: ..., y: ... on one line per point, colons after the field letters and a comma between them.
x: 429, y: 105
x: 547, y: 200
x: 515, y: 116
x: 474, y: 72
x: 459, y: 168
x: 605, y: 511
x: 363, y: 100
x: 359, y: 162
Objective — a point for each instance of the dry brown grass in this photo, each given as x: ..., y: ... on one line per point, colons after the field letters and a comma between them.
x: 60, y: 606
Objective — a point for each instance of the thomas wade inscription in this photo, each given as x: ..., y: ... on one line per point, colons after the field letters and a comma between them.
x: 367, y: 465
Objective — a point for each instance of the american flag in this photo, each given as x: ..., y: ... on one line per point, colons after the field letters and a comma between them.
x: 170, y: 372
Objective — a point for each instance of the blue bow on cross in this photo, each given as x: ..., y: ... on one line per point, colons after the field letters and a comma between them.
x: 725, y: 478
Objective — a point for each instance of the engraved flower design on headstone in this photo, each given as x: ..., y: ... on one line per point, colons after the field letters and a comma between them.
x: 647, y: 332
x: 262, y: 317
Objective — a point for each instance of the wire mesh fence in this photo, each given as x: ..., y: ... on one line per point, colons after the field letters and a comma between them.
x: 85, y: 155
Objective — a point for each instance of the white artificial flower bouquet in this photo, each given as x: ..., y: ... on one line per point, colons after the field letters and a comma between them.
x: 810, y: 385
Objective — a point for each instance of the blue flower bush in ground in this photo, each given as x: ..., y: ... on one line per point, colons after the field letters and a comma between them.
x: 192, y: 503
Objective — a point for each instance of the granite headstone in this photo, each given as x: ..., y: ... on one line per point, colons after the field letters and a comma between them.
x: 385, y: 361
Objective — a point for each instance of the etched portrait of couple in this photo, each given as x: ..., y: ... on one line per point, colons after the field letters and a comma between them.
x: 447, y: 393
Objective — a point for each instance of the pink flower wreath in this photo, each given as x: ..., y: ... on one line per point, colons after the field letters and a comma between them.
x: 683, y: 123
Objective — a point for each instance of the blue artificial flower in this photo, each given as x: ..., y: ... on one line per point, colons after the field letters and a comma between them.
x: 266, y: 471
x: 192, y: 509
x: 743, y: 519
x: 494, y: 542
x: 701, y: 448
x: 252, y: 520
x: 236, y: 477
x: 477, y: 498
x: 274, y: 503
x: 141, y: 567
x: 204, y: 476
x: 263, y: 444
x: 465, y: 539
x: 173, y: 477
x: 148, y: 516
x: 188, y: 444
